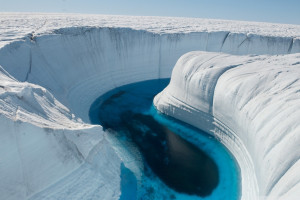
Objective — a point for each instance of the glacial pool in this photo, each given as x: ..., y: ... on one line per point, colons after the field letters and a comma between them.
x: 179, y: 161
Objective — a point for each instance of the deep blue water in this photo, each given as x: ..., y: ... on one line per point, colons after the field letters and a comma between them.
x: 186, y: 159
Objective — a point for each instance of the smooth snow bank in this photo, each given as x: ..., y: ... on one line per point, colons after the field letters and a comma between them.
x: 41, y: 142
x: 252, y: 104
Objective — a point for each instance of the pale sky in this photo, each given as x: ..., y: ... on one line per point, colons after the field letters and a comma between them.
x: 277, y: 11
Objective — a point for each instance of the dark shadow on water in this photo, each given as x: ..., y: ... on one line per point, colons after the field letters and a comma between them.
x: 177, y: 162
x: 180, y: 164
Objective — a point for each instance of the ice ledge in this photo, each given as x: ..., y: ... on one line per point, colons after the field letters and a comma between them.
x: 250, y: 103
x: 42, y: 142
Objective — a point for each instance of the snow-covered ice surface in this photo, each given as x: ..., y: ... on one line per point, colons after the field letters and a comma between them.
x: 16, y: 25
x: 53, y: 66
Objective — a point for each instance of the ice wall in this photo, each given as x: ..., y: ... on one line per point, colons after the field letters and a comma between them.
x: 79, y: 64
x: 252, y: 104
x: 69, y: 68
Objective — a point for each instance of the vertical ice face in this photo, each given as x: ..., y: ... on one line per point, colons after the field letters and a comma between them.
x: 73, y: 62
x: 251, y: 99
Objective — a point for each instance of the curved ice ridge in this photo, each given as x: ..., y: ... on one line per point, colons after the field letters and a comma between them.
x: 252, y: 104
x: 50, y: 77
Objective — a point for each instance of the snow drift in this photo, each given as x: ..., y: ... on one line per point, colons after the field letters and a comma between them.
x: 56, y: 66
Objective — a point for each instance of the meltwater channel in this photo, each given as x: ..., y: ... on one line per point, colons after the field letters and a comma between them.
x: 188, y: 161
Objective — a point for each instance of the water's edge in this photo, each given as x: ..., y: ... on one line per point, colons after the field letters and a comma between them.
x: 189, y: 133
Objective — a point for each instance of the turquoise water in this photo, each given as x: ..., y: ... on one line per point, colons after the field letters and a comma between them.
x: 185, y: 159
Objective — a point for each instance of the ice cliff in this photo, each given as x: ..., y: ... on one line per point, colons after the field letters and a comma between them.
x: 252, y: 104
x: 55, y: 66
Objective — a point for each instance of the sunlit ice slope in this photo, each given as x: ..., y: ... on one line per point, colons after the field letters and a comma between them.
x: 54, y: 67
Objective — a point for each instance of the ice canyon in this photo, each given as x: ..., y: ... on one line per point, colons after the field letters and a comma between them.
x: 238, y: 81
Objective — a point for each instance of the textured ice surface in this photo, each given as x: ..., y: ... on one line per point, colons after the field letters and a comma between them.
x: 54, y: 66
x: 16, y: 25
x: 252, y: 103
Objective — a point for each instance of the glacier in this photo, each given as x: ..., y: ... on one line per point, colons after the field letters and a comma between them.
x: 53, y: 66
